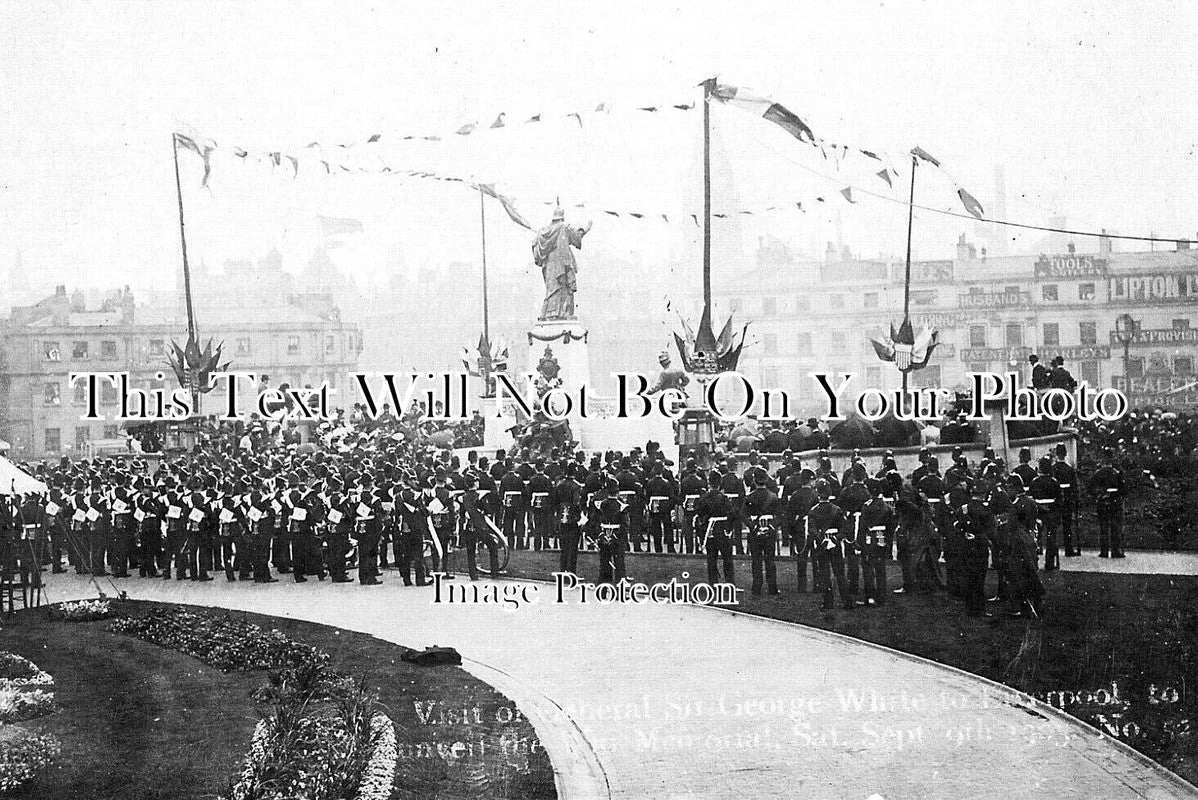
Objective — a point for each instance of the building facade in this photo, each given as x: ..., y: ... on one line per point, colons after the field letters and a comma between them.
x: 991, y: 313
x: 44, y: 343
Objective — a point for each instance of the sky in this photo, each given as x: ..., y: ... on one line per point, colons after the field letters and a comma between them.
x: 1089, y: 110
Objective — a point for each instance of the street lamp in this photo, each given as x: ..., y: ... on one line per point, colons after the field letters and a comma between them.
x: 1125, y: 330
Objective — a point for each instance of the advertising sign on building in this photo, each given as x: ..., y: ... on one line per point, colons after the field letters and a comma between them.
x: 995, y: 299
x: 1084, y: 352
x: 931, y: 272
x: 1160, y: 336
x: 1180, y: 287
x: 1070, y: 266
x: 1164, y: 390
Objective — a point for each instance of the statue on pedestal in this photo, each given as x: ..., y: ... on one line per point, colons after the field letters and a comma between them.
x: 551, y: 251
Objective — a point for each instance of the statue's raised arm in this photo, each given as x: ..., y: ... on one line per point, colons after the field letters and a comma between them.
x: 553, y: 252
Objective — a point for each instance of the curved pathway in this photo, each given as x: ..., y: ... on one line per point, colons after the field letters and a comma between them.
x: 688, y: 702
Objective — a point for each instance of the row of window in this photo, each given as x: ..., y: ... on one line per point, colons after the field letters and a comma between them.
x: 53, y: 439
x: 82, y: 351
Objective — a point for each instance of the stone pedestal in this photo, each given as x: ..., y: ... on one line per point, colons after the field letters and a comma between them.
x: 560, y: 345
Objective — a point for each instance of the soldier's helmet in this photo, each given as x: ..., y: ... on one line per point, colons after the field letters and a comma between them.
x: 823, y: 490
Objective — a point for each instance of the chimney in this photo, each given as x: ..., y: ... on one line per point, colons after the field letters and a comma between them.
x: 1104, y: 244
x: 965, y: 250
x: 1071, y: 247
x: 830, y: 254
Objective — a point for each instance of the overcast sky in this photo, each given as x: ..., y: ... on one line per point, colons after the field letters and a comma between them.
x: 1091, y: 109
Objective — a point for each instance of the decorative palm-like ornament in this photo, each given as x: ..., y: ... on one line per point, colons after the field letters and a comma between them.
x: 484, y: 359
x: 907, y: 351
x: 194, y: 366
x: 703, y: 353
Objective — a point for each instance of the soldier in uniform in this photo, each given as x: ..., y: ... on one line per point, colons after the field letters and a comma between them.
x: 852, y: 499
x: 611, y: 516
x: 1045, y: 490
x: 660, y: 510
x: 763, y: 509
x: 799, y: 503
x: 875, y: 532
x: 511, y: 491
x: 339, y: 518
x: 975, y: 525
x: 260, y: 525
x: 690, y: 487
x: 1024, y: 589
x: 121, y: 544
x: 540, y: 494
x: 1106, y: 484
x: 714, y: 516
x: 827, y: 526
x: 1025, y: 470
x: 568, y: 505
x: 443, y: 512
x: 475, y: 528
x: 1066, y: 476
x: 632, y: 494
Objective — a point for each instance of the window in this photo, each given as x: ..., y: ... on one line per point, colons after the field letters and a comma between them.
x: 1181, y: 324
x: 1183, y: 365
x: 157, y: 347
x: 923, y: 297
x: 1090, y: 372
x: 108, y: 349
x: 1085, y: 291
x: 770, y: 344
x: 112, y: 431
x: 330, y: 344
x: 53, y: 440
x: 243, y: 346
x: 802, y: 304
x: 79, y: 351
x: 293, y: 345
x: 1014, y: 334
x: 1052, y: 333
x: 1049, y: 291
x: 1088, y: 332
x: 977, y: 366
x: 836, y: 301
x: 52, y: 393
x: 977, y: 335
x: 769, y: 378
x: 82, y: 436
x: 51, y: 352
x: 836, y: 341
x: 976, y: 290
x: 769, y: 306
x: 870, y: 299
x: 1135, y: 368
x: 108, y: 393
x: 804, y: 343
x: 80, y: 392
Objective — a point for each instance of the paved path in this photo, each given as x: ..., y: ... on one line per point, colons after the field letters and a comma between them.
x: 687, y: 702
x: 1138, y: 562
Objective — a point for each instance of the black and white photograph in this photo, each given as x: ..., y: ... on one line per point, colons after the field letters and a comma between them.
x: 598, y: 401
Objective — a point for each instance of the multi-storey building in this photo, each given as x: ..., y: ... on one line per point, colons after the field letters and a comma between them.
x: 991, y: 314
x: 44, y: 343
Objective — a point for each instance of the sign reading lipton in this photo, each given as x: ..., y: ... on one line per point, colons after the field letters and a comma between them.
x: 1160, y: 336
x: 995, y: 299
x: 1070, y: 266
x: 1181, y: 287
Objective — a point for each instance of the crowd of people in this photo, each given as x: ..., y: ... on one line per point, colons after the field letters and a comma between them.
x: 254, y: 502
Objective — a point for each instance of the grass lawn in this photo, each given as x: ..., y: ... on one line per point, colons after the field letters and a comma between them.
x: 1134, y: 636
x: 139, y: 721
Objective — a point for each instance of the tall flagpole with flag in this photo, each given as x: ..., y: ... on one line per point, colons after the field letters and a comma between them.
x: 192, y: 335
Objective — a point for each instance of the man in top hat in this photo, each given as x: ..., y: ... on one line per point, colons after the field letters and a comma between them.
x: 1041, y: 377
x: 1106, y: 484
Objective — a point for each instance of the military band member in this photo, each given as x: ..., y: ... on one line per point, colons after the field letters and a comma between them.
x: 763, y: 509
x: 661, y: 493
x: 631, y: 492
x: 414, y: 523
x: 339, y: 518
x: 974, y: 522
x: 540, y: 493
x: 875, y: 532
x: 611, y: 519
x: 1067, y: 477
x: 827, y: 526
x: 196, y: 512
x: 690, y: 487
x: 715, y: 519
x: 515, y: 505
x: 260, y: 524
x: 1106, y: 485
x: 568, y: 506
x: 367, y: 530
x: 121, y: 543
x: 851, y: 499
x: 1024, y: 589
x: 475, y: 528
x: 1045, y: 490
x: 443, y: 513
x: 798, y: 505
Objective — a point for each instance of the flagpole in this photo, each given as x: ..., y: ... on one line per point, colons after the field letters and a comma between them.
x: 192, y: 335
x: 907, y: 273
x: 482, y: 218
x: 707, y: 87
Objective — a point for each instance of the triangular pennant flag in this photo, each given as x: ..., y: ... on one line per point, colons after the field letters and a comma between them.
x: 294, y: 165
x: 971, y: 204
x: 237, y: 151
x: 848, y: 194
x: 884, y: 174
x: 466, y: 129
x: 874, y: 156
x: 634, y: 214
x: 533, y: 118
x: 685, y: 106
x: 276, y: 158
x: 648, y: 108
x: 667, y: 219
x: 506, y: 202
x: 695, y: 217
x: 326, y: 167
x: 919, y: 152
x: 576, y: 116
x: 312, y: 144
x: 599, y: 109
x: 375, y: 138
x: 498, y: 123
x: 613, y: 213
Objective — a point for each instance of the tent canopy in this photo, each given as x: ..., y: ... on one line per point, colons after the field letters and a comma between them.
x: 14, y: 480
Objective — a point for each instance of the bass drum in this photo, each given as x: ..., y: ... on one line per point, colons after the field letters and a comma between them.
x: 482, y: 556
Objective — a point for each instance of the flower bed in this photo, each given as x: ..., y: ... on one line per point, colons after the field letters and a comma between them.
x: 306, y: 752
x: 82, y: 610
x: 23, y: 755
x: 224, y: 642
x: 22, y: 704
x: 17, y: 672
